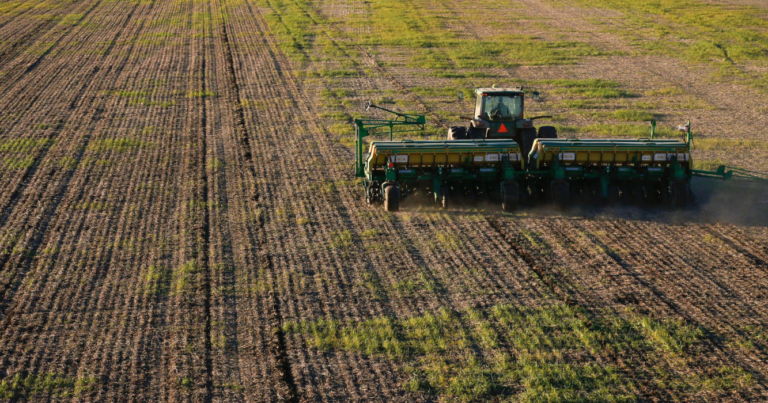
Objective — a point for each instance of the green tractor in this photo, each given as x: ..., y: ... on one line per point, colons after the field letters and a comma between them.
x: 503, y: 157
x: 499, y: 114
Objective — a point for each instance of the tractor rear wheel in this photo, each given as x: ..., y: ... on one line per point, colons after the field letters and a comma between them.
x: 679, y: 194
x: 475, y: 133
x: 561, y: 192
x: 510, y: 197
x: 392, y: 198
x: 457, y: 133
x: 547, y: 132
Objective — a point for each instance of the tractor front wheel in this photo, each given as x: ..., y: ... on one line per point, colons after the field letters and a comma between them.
x: 392, y: 198
x: 510, y: 197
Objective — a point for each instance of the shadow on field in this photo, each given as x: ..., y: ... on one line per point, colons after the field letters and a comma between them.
x: 715, y: 201
x: 732, y: 201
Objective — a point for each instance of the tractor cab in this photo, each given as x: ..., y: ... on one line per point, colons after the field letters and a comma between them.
x: 499, y: 114
x: 497, y: 111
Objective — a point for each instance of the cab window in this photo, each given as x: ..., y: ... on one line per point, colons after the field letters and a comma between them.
x: 502, y: 107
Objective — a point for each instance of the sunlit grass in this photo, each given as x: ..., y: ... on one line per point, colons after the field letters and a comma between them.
x: 720, y: 35
x: 554, y: 353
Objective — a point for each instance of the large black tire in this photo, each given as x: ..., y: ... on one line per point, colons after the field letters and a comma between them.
x: 392, y: 198
x: 457, y: 133
x: 475, y: 133
x: 510, y: 197
x: 679, y: 194
x: 547, y: 132
x: 561, y: 194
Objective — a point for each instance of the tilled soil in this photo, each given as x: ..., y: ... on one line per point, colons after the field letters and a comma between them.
x: 170, y: 201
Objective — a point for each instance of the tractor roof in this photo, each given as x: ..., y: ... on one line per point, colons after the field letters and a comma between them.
x: 498, y: 90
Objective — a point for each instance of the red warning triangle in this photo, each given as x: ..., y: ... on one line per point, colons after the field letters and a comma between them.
x: 502, y: 128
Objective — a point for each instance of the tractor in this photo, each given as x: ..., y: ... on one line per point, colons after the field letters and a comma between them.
x: 501, y: 156
x: 499, y: 114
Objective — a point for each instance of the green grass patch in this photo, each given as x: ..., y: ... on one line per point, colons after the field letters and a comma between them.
x: 370, y: 233
x: 336, y: 115
x: 581, y: 104
x: 429, y: 40
x: 95, y: 206
x: 588, y: 88
x: 23, y: 386
x: 447, y: 240
x: 631, y: 115
x: 184, y: 276
x: 405, y: 288
x: 719, y: 144
x: 303, y: 221
x: 18, y: 162
x: 214, y: 164
x: 128, y: 94
x: 460, y: 74
x: 666, y: 91
x: 341, y: 239
x: 157, y: 281
x: 721, y: 35
x: 295, y: 25
x: 501, y: 52
x: 342, y: 129
x: 616, y: 130
x: 507, y: 352
x: 24, y: 145
x: 707, y: 165
x: 370, y: 281
x: 728, y: 378
x: 336, y: 93
x: 200, y: 94
x: 148, y: 102
x: 118, y: 145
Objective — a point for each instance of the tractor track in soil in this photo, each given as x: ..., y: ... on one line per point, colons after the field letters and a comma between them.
x: 279, y: 349
x: 206, y: 230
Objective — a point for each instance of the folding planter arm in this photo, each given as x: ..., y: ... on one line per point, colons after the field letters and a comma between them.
x: 366, y: 127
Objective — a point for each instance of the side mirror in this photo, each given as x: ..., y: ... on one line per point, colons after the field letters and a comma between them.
x: 461, y: 96
x: 536, y: 95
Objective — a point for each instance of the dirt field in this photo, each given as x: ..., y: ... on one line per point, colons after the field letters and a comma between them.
x: 179, y: 219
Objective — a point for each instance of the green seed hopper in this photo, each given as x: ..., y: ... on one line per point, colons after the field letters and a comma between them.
x: 395, y: 169
x: 525, y: 166
x: 438, y: 166
x: 654, y: 169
